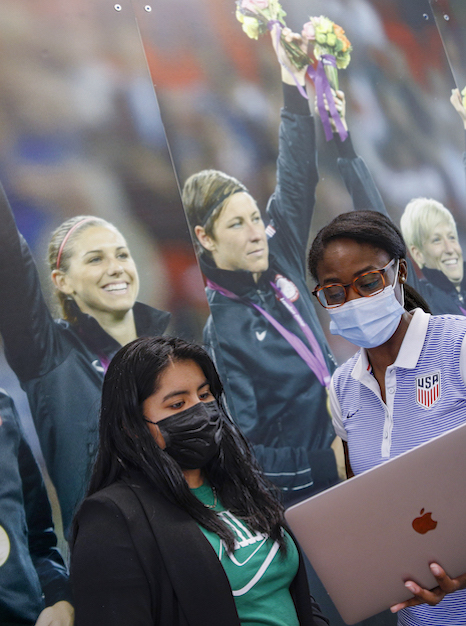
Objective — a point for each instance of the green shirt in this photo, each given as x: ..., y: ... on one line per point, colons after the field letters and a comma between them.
x: 259, y: 575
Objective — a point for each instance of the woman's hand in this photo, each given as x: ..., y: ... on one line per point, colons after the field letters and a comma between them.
x: 288, y: 69
x: 59, y: 614
x: 340, y: 103
x: 457, y: 102
x: 433, y: 596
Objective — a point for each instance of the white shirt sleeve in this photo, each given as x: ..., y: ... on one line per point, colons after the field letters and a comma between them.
x: 335, y: 410
x: 463, y: 360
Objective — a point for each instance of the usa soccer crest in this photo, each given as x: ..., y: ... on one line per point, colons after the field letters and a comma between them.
x: 428, y: 389
x: 287, y: 287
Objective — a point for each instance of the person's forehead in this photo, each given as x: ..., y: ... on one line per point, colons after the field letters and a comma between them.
x: 181, y: 374
x: 346, y: 246
x: 346, y: 258
x: 240, y: 204
x: 98, y: 237
x: 441, y: 227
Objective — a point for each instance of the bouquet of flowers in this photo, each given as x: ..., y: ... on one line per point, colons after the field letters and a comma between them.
x: 329, y: 39
x: 463, y: 97
x: 259, y: 16
x: 331, y: 49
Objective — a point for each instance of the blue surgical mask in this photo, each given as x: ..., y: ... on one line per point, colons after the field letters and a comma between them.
x: 368, y: 322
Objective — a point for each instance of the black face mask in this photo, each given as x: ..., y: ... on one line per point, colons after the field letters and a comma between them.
x: 192, y: 437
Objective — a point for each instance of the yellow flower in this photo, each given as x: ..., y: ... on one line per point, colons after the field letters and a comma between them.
x: 343, y: 61
x: 321, y: 38
x: 250, y: 26
x: 463, y: 93
x: 325, y: 25
x: 276, y: 10
x: 331, y: 40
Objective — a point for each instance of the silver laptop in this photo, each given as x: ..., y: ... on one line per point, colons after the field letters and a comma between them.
x: 366, y: 536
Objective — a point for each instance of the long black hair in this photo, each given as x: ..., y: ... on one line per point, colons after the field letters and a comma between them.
x: 127, y: 444
x: 365, y: 227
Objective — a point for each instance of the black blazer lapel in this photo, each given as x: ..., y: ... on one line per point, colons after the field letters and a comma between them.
x: 196, y: 574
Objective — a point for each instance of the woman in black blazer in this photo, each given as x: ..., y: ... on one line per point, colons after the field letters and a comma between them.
x: 179, y: 527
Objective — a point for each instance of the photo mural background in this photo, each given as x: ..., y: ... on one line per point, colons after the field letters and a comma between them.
x: 107, y: 108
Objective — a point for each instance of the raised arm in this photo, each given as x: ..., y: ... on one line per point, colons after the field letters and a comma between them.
x: 26, y: 326
x: 291, y: 206
x: 353, y: 169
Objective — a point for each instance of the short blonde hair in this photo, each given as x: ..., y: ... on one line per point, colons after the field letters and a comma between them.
x: 420, y: 217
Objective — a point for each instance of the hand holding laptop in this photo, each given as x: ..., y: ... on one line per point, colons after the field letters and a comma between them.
x: 432, y: 596
x: 388, y: 524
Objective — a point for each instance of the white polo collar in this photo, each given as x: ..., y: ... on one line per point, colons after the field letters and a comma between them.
x: 410, y: 349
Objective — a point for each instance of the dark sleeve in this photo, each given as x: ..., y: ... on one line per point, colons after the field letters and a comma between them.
x: 308, y: 610
x: 277, y: 461
x: 365, y: 195
x: 291, y: 206
x: 357, y: 178
x: 47, y: 560
x: 108, y: 581
x: 26, y: 326
x: 317, y: 615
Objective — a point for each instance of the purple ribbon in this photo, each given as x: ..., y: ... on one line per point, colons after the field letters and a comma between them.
x: 105, y: 362
x: 315, y: 347
x: 314, y: 360
x: 322, y: 85
x: 463, y: 311
x: 270, y: 25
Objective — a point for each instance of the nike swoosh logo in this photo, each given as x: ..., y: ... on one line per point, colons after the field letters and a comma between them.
x: 98, y: 366
x: 261, y: 336
x: 260, y: 572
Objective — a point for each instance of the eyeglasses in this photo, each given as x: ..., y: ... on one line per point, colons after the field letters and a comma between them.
x: 366, y: 285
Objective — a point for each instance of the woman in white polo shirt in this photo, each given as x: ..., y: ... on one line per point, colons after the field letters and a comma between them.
x: 378, y: 400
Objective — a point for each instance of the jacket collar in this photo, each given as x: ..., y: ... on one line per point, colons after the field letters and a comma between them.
x: 149, y: 321
x: 239, y: 282
x: 438, y: 278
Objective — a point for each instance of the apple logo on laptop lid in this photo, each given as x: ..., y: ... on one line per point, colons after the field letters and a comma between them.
x: 424, y: 523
